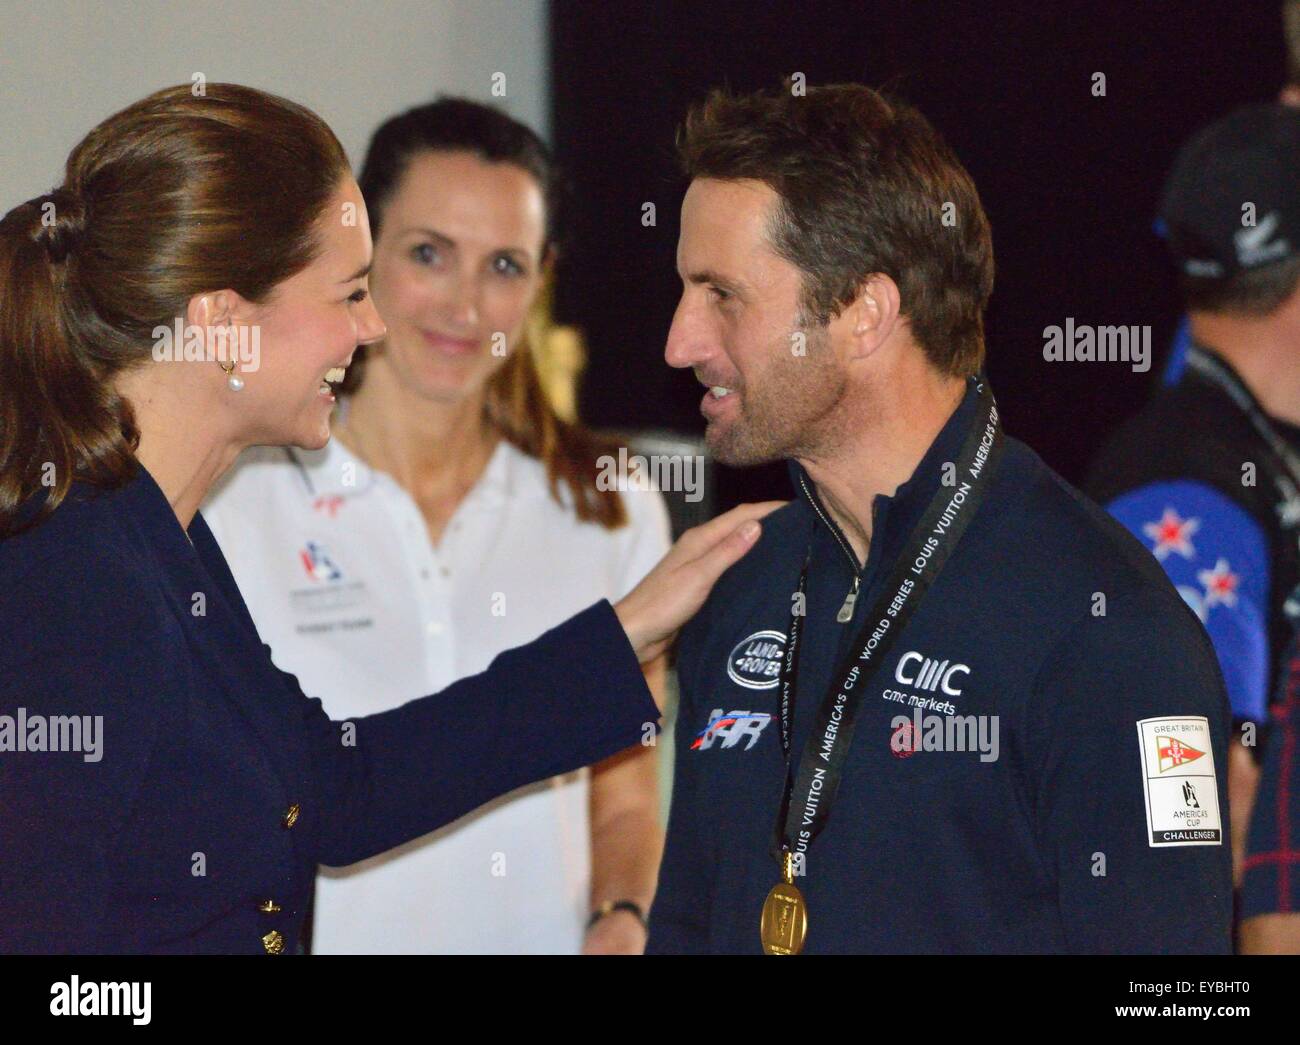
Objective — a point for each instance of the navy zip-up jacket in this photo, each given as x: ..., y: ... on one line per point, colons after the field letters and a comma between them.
x: 1069, y: 834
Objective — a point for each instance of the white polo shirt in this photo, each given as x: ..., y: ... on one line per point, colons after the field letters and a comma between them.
x: 336, y: 565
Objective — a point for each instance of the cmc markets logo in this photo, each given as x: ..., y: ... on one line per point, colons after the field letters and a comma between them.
x: 755, y: 662
x: 925, y: 673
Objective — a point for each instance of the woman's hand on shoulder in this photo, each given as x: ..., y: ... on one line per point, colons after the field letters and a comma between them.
x: 673, y: 592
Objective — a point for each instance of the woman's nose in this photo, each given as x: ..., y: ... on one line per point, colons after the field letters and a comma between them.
x: 461, y: 304
x: 373, y: 328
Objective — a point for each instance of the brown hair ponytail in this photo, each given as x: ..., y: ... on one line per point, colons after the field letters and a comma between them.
x: 185, y: 191
x: 58, y: 419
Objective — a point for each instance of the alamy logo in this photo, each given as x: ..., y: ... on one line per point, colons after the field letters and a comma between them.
x: 731, y: 727
x: 924, y: 673
x: 755, y: 662
x: 1085, y: 343
x: 92, y: 998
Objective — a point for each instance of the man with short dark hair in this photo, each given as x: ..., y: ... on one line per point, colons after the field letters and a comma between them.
x: 947, y: 704
x: 1208, y: 474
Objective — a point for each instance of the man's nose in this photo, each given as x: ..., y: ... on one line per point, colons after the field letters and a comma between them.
x: 688, y: 343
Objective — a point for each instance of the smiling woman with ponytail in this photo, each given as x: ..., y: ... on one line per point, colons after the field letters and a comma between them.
x: 165, y: 787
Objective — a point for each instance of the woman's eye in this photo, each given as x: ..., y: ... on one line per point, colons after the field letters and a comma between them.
x: 425, y: 253
x: 507, y: 266
x: 358, y: 297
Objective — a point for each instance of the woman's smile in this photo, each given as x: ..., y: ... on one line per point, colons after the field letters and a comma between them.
x: 451, y: 347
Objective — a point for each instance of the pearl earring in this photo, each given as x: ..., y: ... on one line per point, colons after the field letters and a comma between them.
x: 236, y: 383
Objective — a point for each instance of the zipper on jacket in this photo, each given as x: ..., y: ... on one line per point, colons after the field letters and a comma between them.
x: 845, y: 613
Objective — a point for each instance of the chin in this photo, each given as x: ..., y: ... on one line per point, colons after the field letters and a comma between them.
x: 735, y: 448
x: 448, y: 387
x: 309, y: 439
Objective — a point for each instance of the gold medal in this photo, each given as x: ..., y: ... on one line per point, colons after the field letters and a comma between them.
x: 784, y: 924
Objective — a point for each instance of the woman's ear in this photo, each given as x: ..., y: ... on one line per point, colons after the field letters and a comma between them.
x: 550, y: 257
x: 212, y: 308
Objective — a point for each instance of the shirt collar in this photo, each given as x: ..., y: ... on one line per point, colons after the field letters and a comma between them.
x: 1288, y: 431
x: 894, y: 516
x: 326, y: 473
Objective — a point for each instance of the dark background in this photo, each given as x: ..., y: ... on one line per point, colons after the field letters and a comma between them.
x: 1070, y: 181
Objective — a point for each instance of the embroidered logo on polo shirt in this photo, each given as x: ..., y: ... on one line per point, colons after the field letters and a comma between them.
x: 929, y: 673
x: 318, y: 564
x: 755, y: 662
x: 328, y: 504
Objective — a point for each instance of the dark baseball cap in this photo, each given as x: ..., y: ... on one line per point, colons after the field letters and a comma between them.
x: 1250, y: 157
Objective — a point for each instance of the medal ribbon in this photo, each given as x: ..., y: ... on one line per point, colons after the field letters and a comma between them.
x: 807, y: 799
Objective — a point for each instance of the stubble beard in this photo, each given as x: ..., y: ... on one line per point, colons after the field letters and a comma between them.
x: 790, y: 410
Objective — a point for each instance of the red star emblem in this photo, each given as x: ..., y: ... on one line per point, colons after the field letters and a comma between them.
x: 1220, y: 584
x: 1172, y: 533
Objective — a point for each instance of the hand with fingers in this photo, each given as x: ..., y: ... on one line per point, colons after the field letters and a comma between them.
x: 674, y: 591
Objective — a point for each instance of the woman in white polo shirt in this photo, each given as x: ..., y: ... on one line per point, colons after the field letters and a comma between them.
x: 455, y: 513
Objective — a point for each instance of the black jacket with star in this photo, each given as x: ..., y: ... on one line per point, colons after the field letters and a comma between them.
x: 1192, y: 455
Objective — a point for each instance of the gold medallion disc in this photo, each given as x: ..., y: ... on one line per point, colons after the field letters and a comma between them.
x: 784, y: 924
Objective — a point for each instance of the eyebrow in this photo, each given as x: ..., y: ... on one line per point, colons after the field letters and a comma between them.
x: 363, y: 271
x: 709, y: 276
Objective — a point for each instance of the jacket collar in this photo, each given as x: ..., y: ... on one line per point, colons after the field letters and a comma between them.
x: 895, y: 515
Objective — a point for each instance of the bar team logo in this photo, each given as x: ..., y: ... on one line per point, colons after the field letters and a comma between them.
x: 731, y: 727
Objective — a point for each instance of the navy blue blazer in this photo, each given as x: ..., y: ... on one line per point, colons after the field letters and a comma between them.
x: 218, y: 786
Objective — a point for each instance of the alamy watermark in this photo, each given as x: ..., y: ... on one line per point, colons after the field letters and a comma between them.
x: 669, y: 473
x: 1085, y: 343
x: 24, y: 732
x: 922, y: 732
x: 187, y: 343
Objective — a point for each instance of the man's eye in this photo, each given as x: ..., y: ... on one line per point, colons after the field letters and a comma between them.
x: 358, y: 297
x: 719, y: 294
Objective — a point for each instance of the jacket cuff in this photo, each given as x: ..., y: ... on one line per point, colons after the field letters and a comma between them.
x: 605, y: 673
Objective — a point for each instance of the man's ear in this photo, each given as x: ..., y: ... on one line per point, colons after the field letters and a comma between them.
x: 873, y: 315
